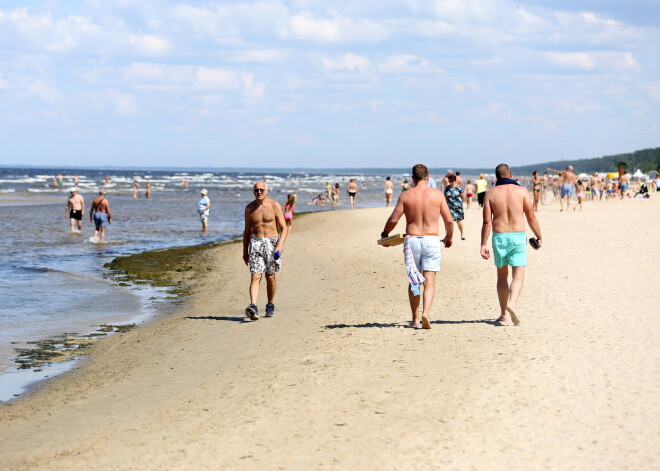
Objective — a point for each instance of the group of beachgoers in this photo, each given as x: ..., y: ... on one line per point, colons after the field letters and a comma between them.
x: 99, y: 213
x: 505, y: 208
x: 566, y: 185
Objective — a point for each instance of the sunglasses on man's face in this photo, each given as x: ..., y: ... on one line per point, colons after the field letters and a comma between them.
x: 259, y: 190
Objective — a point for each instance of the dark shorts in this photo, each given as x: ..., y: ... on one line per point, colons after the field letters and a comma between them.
x: 77, y: 215
x: 480, y: 197
x: 352, y: 193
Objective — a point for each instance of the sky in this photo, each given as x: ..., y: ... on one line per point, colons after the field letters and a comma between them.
x: 320, y: 84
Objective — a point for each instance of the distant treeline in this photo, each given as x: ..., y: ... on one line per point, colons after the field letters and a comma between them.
x: 645, y: 160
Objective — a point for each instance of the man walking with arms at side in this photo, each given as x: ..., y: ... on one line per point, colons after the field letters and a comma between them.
x: 101, y: 215
x: 504, y: 207
x: 75, y: 208
x: 262, y: 247
x: 423, y: 206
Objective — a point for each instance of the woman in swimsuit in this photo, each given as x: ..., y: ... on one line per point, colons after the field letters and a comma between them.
x: 536, y: 189
x: 289, y: 209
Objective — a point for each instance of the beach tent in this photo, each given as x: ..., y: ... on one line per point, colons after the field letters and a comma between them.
x: 638, y: 174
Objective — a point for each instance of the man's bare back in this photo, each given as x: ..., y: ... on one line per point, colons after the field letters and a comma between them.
x: 422, y: 206
x: 100, y: 205
x: 507, y: 204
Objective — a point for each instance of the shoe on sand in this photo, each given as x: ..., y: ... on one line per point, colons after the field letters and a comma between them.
x: 252, y: 312
x: 503, y: 324
x: 514, y: 316
x: 270, y: 310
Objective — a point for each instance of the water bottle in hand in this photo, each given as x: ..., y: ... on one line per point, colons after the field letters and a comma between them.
x: 277, y: 255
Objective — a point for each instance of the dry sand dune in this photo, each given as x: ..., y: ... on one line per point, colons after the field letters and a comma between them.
x: 338, y: 381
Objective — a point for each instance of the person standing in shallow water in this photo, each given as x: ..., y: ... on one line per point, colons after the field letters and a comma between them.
x: 352, y: 192
x: 504, y: 207
x: 101, y: 215
x: 263, y: 246
x: 389, y: 191
x: 203, y: 208
x: 75, y: 208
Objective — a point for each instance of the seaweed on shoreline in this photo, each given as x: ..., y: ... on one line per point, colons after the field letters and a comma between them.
x: 172, y: 268
x: 62, y: 348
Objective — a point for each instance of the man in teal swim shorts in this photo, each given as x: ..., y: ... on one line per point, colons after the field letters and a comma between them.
x: 504, y: 207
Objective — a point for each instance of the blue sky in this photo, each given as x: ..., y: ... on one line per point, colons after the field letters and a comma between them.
x: 461, y: 83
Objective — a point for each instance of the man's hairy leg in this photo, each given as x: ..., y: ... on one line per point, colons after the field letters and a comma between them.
x: 518, y: 276
x: 503, y: 292
x: 414, y: 307
x: 255, y: 279
x: 271, y: 286
x: 429, y: 293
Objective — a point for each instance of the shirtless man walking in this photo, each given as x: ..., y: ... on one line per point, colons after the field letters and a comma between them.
x: 101, y: 215
x: 75, y: 208
x: 262, y: 247
x: 423, y: 206
x: 504, y: 207
x: 568, y: 180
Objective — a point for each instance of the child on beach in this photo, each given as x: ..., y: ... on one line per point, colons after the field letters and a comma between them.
x: 469, y: 192
x: 289, y: 209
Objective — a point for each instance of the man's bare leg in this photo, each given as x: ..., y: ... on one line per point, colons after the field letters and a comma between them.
x: 568, y: 202
x: 414, y: 307
x: 255, y: 279
x: 102, y: 233
x: 429, y: 293
x: 518, y: 276
x: 271, y: 286
x: 503, y: 293
x: 561, y: 203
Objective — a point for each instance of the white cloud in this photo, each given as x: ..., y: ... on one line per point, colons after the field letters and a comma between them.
x: 349, y: 62
x: 406, y: 64
x: 45, y: 91
x: 149, y: 44
x: 3, y: 82
x: 307, y: 27
x: 593, y: 60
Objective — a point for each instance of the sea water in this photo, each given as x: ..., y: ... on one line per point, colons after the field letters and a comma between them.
x: 53, y: 281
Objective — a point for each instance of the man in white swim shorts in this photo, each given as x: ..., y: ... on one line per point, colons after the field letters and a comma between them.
x: 423, y: 206
x: 263, y: 247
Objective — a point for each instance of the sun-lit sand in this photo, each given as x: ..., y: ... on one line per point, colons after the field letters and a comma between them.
x: 338, y: 381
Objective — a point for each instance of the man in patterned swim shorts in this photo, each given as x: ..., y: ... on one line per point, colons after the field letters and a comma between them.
x: 262, y: 246
x: 504, y: 207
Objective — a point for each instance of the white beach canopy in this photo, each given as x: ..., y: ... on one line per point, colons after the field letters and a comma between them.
x: 638, y: 174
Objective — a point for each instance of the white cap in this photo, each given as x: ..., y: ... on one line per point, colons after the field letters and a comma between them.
x: 204, y: 191
x: 73, y: 190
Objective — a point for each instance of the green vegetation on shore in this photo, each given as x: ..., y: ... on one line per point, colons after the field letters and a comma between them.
x: 645, y: 160
x: 173, y: 268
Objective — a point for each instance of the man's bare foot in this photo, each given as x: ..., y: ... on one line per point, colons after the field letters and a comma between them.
x: 426, y: 323
x: 514, y: 316
x: 416, y: 325
x: 502, y: 322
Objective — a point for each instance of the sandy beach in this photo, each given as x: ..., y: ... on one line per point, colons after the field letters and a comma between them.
x: 337, y: 380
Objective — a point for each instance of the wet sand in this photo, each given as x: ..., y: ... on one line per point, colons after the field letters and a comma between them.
x: 338, y: 381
